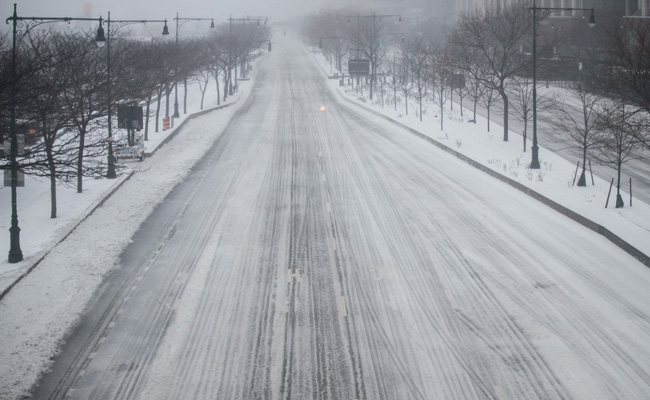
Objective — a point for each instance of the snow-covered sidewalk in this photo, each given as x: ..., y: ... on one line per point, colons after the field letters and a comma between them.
x: 40, y: 233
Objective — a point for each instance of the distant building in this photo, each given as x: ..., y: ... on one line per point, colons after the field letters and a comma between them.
x: 640, y: 8
x: 450, y: 10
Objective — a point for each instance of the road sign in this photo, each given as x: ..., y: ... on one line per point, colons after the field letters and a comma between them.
x: 20, y: 181
x: 359, y: 67
x: 129, y: 117
x: 457, y: 81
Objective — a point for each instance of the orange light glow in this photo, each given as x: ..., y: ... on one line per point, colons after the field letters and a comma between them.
x: 322, y: 108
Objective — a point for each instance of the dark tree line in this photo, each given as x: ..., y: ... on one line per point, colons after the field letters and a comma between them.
x: 61, y: 91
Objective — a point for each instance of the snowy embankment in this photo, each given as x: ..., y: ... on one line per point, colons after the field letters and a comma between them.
x: 42, y: 308
x: 553, y: 181
x: 40, y: 233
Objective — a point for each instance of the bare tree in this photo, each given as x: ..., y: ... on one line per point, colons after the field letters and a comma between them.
x: 202, y: 77
x: 522, y: 89
x: 440, y: 78
x: 405, y: 85
x: 617, y: 141
x: 53, y: 156
x: 417, y: 61
x: 85, y: 98
x: 494, y: 33
x: 476, y: 89
x: 581, y: 129
x: 394, y: 79
x: 628, y: 76
x: 629, y: 54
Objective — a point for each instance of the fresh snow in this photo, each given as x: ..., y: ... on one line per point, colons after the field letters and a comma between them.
x: 42, y: 308
x: 38, y: 313
x: 553, y: 180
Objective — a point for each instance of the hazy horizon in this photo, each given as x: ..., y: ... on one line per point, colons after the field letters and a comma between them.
x: 277, y: 10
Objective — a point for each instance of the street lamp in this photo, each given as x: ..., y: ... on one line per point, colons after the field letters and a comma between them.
x: 110, y: 169
x: 178, y: 26
x: 534, y: 163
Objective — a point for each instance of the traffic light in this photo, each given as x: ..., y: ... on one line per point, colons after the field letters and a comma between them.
x: 269, y: 46
x: 320, y: 43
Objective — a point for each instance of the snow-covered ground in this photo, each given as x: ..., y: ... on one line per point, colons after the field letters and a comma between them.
x: 39, y: 232
x: 554, y: 180
x: 33, y: 321
x: 39, y: 311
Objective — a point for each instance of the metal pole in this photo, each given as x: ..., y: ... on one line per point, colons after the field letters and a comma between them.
x: 534, y: 164
x: 176, y: 114
x: 110, y: 173
x: 372, y: 53
x: 15, y: 253
x: 230, y: 57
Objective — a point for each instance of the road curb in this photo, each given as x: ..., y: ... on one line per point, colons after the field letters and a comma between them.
x: 81, y: 219
x: 618, y: 241
x: 185, y: 121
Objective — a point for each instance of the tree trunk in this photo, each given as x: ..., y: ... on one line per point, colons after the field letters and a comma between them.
x: 488, y: 118
x: 216, y: 79
x: 506, y: 107
x: 372, y: 79
x: 619, y: 198
x: 475, y: 102
x: 160, y: 92
x: 80, y: 162
x: 225, y: 84
x: 146, y: 120
x: 525, y: 133
x: 452, y: 100
x: 406, y: 103
x: 51, y: 166
x: 168, y: 92
x: 583, y: 176
x: 185, y: 97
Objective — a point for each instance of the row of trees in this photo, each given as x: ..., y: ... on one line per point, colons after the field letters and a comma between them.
x: 487, y: 57
x: 61, y: 97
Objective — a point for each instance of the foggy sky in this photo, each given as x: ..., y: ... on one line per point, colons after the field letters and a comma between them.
x: 220, y: 10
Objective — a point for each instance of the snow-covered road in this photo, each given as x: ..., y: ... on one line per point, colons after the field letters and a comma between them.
x: 317, y: 253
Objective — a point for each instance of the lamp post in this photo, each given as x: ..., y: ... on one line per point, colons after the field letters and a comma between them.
x: 534, y: 163
x: 110, y: 170
x: 24, y: 25
x: 374, y: 40
x: 178, y: 26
